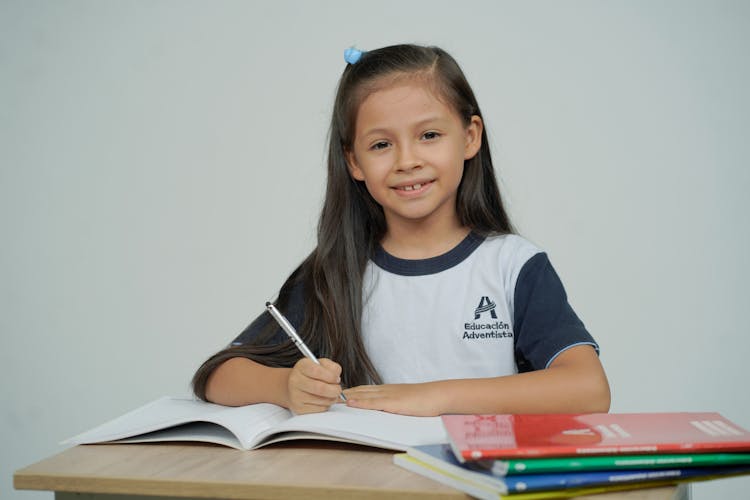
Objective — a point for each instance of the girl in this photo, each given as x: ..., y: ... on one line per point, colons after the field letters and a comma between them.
x: 419, y: 298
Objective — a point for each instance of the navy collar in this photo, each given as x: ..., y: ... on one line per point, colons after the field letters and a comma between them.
x: 433, y: 265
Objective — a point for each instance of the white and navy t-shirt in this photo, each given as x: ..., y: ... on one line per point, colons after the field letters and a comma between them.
x: 489, y: 307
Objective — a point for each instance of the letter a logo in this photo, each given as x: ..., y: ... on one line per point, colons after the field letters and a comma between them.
x: 485, y: 304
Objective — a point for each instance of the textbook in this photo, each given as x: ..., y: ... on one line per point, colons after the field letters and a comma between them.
x: 611, y: 462
x: 542, y: 486
x: 257, y: 425
x: 479, y: 437
x: 438, y: 453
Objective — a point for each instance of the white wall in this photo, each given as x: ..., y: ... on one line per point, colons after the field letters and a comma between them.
x: 161, y: 172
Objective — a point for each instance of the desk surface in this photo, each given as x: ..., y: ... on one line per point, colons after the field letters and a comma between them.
x: 299, y: 470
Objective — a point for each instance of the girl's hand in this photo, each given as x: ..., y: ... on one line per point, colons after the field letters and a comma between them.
x: 406, y: 399
x: 314, y: 388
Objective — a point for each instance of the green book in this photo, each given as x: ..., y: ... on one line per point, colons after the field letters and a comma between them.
x: 613, y: 462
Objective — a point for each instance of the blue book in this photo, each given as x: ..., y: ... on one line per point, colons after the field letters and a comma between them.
x: 437, y: 460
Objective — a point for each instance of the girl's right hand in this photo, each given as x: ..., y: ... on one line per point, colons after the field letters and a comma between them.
x: 314, y: 388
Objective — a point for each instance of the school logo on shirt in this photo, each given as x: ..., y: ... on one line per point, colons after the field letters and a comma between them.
x: 485, y: 304
x: 477, y: 329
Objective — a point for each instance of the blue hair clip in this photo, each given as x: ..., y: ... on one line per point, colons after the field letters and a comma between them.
x: 352, y: 55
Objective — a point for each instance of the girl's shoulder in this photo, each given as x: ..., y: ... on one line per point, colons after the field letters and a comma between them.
x: 510, y: 248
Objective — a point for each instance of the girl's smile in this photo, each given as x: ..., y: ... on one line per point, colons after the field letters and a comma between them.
x: 413, y: 189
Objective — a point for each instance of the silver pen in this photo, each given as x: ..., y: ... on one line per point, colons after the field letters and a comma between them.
x: 289, y: 329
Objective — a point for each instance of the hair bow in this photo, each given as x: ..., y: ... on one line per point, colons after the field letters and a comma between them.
x: 352, y: 55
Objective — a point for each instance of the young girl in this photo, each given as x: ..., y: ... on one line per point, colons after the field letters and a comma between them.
x: 419, y: 298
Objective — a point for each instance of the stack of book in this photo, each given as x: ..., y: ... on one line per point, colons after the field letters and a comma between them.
x: 556, y: 456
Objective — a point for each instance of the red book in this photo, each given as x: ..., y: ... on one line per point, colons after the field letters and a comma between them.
x: 475, y: 437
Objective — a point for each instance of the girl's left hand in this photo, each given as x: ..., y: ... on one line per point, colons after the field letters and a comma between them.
x: 405, y: 399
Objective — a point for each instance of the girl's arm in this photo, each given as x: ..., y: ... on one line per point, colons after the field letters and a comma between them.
x: 574, y: 383
x: 305, y: 388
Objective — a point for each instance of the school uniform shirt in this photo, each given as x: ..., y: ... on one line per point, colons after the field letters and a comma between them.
x: 489, y: 307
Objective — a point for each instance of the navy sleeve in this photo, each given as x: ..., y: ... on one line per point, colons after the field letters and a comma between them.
x: 264, y: 328
x: 544, y: 322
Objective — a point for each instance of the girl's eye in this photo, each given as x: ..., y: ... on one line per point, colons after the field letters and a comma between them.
x: 379, y: 145
x: 430, y: 135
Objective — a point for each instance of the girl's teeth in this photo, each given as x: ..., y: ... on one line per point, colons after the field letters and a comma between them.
x: 412, y: 188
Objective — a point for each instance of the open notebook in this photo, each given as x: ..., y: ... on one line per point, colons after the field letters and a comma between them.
x: 253, y: 426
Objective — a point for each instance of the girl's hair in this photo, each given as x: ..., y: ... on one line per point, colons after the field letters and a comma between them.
x: 352, y: 223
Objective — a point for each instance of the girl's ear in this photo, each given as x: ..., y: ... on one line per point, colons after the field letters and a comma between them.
x: 354, y: 169
x: 473, y: 137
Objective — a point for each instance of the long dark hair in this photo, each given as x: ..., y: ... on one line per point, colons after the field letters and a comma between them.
x: 352, y: 223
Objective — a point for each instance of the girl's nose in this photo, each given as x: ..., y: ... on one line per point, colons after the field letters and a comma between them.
x: 407, y: 159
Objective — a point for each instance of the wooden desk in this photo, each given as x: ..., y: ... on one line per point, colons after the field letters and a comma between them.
x: 302, y: 470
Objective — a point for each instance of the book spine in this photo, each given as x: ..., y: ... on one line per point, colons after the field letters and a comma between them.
x: 503, y: 468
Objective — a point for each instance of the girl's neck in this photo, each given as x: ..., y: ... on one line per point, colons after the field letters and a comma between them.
x: 419, y: 242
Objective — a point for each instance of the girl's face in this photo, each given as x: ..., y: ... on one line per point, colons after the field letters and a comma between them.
x: 409, y: 150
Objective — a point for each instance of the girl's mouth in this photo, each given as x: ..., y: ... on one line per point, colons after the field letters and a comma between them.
x: 418, y: 186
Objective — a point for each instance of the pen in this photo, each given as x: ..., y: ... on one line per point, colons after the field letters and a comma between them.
x: 289, y: 329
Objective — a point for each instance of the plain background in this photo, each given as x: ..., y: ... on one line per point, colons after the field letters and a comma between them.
x: 161, y: 173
